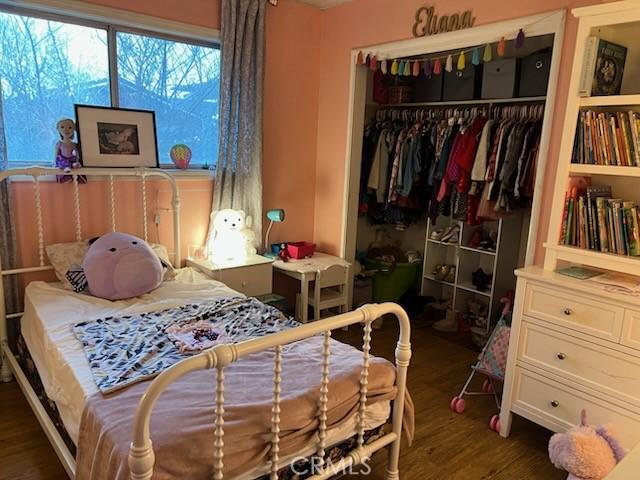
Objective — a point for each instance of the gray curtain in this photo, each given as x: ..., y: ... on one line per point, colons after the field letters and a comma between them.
x: 7, y: 234
x: 239, y: 168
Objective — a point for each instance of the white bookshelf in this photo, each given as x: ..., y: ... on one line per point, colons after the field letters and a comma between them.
x: 610, y: 101
x: 500, y: 262
x: 617, y: 22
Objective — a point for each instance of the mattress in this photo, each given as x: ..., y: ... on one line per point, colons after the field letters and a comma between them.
x: 50, y: 311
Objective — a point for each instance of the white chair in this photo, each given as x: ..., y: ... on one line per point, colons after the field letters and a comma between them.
x: 330, y: 290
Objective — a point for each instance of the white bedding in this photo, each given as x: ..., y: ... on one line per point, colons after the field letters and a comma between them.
x: 50, y: 311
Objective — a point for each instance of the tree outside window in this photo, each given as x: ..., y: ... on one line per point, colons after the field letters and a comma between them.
x: 47, y: 66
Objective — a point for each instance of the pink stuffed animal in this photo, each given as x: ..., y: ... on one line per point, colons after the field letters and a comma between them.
x: 585, y: 451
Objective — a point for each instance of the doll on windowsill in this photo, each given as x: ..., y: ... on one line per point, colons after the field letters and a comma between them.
x: 66, y: 151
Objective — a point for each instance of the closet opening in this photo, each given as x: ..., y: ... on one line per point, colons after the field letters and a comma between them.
x: 447, y: 153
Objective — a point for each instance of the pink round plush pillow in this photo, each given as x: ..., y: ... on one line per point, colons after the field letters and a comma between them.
x: 118, y: 266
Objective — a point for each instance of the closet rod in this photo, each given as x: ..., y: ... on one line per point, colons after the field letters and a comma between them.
x: 462, y: 102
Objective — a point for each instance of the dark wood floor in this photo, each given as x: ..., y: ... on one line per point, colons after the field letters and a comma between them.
x: 447, y: 445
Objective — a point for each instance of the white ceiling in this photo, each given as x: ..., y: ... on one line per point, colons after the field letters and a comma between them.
x: 323, y: 4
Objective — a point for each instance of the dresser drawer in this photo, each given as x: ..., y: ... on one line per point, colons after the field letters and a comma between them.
x: 251, y: 280
x: 574, y: 311
x: 631, y: 329
x: 558, y: 406
x: 582, y: 362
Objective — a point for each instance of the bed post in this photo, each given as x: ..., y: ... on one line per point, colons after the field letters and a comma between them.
x: 403, y: 356
x: 5, y: 371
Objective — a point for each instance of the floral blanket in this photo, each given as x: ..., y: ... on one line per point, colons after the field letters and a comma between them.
x: 125, y: 350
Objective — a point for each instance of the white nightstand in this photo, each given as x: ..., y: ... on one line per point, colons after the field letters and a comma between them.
x: 252, y: 276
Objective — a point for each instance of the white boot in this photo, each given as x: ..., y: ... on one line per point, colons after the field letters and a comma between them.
x: 447, y: 324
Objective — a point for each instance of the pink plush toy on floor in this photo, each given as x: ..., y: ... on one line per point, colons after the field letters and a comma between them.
x: 585, y: 451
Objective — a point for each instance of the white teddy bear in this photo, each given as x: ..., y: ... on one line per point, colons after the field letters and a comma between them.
x: 232, y: 237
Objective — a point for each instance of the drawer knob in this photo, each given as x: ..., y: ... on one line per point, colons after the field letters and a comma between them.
x: 554, y: 403
x: 245, y: 283
x: 567, y: 311
x: 561, y: 356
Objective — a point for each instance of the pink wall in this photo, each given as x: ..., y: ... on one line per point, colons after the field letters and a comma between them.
x: 290, y: 117
x: 58, y: 213
x: 367, y: 22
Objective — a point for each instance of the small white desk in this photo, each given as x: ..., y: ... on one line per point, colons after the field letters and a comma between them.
x: 305, y: 270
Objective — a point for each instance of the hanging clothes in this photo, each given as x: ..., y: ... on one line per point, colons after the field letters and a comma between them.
x: 472, y: 163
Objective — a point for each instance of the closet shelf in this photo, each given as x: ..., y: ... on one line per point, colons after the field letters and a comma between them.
x: 478, y: 250
x: 470, y: 288
x: 586, y: 169
x: 461, y: 102
x: 429, y: 276
x: 606, y: 261
x: 609, y: 100
x: 438, y: 242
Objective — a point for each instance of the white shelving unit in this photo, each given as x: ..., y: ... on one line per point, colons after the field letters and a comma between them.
x: 617, y: 22
x: 501, y: 263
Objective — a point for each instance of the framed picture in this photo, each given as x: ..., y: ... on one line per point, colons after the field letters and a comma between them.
x: 116, y: 137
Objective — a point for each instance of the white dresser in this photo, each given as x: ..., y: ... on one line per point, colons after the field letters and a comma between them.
x: 573, y: 345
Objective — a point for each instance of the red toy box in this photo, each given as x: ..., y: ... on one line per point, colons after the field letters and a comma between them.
x: 300, y: 250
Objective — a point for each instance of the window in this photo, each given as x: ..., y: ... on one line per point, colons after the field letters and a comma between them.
x: 49, y: 64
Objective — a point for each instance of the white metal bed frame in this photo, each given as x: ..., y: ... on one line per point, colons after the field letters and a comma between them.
x: 141, y: 456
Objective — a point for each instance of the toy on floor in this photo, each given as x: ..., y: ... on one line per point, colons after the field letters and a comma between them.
x: 587, y: 452
x: 491, y: 362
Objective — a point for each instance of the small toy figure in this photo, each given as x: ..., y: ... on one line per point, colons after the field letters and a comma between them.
x: 586, y: 451
x: 66, y: 151
x: 283, y: 254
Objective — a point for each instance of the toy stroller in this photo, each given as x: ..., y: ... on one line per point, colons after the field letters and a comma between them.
x: 491, y: 362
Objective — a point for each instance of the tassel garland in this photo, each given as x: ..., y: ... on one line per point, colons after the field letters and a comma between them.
x: 488, y: 53
x: 394, y: 67
x: 373, y: 63
x: 437, y: 67
x: 449, y: 65
x: 475, y: 58
x: 428, y: 68
x: 434, y: 66
x: 520, y: 39
x: 407, y: 69
x: 501, y: 47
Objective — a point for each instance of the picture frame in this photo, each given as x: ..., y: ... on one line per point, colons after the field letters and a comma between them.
x: 116, y: 137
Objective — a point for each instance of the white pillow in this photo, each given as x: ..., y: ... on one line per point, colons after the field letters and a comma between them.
x: 63, y: 256
x: 162, y: 253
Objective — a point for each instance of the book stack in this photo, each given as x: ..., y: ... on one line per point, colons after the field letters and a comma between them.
x: 594, y: 220
x: 607, y: 138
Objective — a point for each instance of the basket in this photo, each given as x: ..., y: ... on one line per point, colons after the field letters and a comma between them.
x: 400, y: 94
x: 392, y: 280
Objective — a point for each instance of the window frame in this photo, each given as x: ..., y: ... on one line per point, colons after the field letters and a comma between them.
x: 112, y: 21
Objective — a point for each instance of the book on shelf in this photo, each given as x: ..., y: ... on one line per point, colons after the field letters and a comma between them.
x: 607, y: 138
x: 594, y: 220
x: 603, y: 68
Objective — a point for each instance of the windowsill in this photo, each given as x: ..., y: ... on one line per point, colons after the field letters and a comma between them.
x: 189, y: 174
